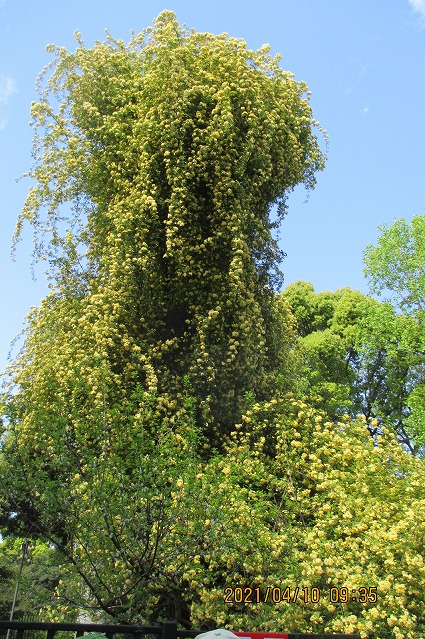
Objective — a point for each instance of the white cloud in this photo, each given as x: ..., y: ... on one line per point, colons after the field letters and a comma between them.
x: 365, y: 109
x: 2, y: 124
x: 418, y: 6
x: 7, y: 88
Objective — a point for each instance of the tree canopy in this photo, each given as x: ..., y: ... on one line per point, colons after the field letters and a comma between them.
x: 356, y: 355
x: 396, y: 265
x: 163, y: 412
x: 156, y: 166
x: 395, y: 268
x: 171, y: 151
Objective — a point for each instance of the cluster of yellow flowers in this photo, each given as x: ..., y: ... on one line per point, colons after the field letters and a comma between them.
x: 332, y: 517
x: 143, y: 360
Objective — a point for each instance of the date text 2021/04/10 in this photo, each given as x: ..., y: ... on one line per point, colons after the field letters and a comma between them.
x: 304, y: 595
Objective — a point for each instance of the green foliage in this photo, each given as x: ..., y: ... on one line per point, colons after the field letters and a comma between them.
x: 358, y: 356
x: 171, y: 150
x: 330, y: 508
x: 312, y: 311
x: 156, y: 165
x: 396, y: 265
x: 37, y: 581
x: 160, y: 454
x: 102, y: 492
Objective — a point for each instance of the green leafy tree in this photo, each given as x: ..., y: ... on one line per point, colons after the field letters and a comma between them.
x: 395, y: 268
x: 156, y: 165
x: 37, y: 581
x: 359, y: 357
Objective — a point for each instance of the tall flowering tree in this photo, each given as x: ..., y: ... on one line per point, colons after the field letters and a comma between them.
x: 150, y: 438
x: 156, y: 166
x: 171, y: 152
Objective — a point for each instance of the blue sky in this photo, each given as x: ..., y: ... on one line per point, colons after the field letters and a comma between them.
x: 363, y: 61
